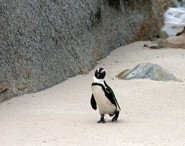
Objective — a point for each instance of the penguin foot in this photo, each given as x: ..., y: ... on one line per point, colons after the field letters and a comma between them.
x: 115, y: 118
x: 102, y: 120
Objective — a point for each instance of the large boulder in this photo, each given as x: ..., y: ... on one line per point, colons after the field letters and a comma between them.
x: 148, y: 71
x: 45, y: 42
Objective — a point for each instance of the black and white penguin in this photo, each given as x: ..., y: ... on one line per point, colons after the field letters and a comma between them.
x: 103, y: 97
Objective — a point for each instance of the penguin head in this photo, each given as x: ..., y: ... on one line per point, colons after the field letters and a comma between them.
x: 100, y: 73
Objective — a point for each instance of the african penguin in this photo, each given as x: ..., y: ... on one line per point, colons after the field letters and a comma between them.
x: 103, y: 97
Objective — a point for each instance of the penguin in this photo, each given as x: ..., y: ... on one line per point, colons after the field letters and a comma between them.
x: 103, y: 97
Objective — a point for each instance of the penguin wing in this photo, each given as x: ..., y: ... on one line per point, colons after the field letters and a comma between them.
x: 110, y: 95
x: 93, y: 102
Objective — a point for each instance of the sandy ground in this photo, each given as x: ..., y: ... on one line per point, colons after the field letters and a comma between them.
x: 153, y: 112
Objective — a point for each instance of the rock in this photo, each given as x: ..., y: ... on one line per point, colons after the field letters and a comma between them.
x: 163, y: 35
x: 179, y: 3
x: 3, y: 86
x: 181, y: 33
x: 173, y: 42
x: 149, y: 71
x: 152, y: 45
x: 22, y: 86
x: 123, y: 74
x: 46, y: 42
x: 84, y: 69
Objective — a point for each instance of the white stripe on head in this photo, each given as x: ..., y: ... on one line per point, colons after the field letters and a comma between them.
x: 102, y: 71
x: 100, y: 81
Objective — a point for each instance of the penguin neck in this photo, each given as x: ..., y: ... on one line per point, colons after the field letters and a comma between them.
x: 100, y: 81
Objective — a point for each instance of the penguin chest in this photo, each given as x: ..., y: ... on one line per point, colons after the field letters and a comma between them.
x: 104, y: 104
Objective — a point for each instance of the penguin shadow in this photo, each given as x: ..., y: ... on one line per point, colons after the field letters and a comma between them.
x: 109, y: 121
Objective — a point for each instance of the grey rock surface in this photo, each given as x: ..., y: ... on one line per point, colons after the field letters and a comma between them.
x: 150, y: 71
x: 179, y: 3
x: 42, y: 43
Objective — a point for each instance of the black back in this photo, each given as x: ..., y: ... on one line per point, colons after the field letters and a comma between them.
x: 110, y: 95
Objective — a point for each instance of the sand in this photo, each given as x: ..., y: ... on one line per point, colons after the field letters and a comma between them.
x: 153, y: 112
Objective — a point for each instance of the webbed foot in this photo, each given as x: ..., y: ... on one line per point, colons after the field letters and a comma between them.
x: 115, y: 118
x: 102, y: 120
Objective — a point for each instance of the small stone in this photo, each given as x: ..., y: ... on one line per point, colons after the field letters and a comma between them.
x: 84, y: 69
x: 3, y: 86
x: 123, y: 74
x: 22, y: 86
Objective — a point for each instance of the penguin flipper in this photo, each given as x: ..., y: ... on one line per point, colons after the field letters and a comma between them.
x: 111, y: 96
x: 93, y: 102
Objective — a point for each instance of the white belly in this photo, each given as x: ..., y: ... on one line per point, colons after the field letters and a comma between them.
x: 104, y: 105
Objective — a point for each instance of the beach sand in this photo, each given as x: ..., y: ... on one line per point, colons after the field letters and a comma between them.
x: 152, y: 112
